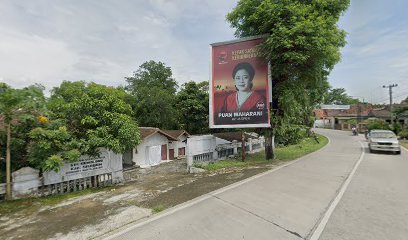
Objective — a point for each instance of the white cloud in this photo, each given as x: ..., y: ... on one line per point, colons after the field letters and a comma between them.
x: 27, y: 59
x: 49, y: 41
x: 376, y: 53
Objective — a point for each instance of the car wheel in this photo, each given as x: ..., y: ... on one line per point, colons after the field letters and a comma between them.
x: 398, y: 152
x: 370, y: 150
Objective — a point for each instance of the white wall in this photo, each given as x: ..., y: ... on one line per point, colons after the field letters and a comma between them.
x: 324, y: 123
x: 139, y: 154
x: 178, y: 144
x: 220, y: 141
x: 107, y: 162
x: 181, y: 144
x: 201, y: 144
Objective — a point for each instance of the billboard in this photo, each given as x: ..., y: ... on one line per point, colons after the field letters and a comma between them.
x: 239, y: 85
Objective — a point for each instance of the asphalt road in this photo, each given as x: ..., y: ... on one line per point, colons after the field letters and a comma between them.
x: 375, y: 205
x: 339, y: 192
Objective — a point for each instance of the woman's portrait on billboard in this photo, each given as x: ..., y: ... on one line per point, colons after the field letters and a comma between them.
x: 244, y: 99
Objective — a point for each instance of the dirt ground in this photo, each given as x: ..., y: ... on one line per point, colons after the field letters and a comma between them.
x: 147, y: 191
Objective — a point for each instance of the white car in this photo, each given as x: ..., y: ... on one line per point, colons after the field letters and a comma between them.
x: 383, y: 140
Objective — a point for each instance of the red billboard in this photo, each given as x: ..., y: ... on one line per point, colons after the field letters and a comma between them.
x: 239, y: 85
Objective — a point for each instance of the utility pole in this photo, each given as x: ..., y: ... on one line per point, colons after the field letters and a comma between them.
x: 390, y: 92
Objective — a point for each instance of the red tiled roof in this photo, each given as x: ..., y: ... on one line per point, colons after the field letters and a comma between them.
x: 146, y: 132
x: 176, y: 133
x: 380, y: 113
x: 319, y: 113
x: 354, y: 111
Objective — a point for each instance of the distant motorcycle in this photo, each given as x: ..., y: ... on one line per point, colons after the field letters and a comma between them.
x: 354, y: 130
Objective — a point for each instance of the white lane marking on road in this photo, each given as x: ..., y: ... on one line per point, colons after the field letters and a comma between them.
x: 319, y: 230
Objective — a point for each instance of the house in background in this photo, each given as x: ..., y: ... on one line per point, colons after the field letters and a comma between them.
x: 177, y: 149
x: 153, y: 149
x: 385, y: 114
x: 342, y: 117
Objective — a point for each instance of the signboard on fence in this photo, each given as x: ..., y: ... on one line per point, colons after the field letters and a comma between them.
x: 239, y: 85
x: 106, y: 162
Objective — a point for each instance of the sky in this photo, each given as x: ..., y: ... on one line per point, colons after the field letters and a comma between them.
x: 45, y: 41
x: 377, y: 51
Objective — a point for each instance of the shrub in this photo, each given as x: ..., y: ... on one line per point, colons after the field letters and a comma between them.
x: 404, y: 134
x: 378, y: 124
x: 396, y: 128
x: 288, y: 134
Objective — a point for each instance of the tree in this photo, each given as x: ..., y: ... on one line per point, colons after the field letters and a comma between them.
x: 83, y: 118
x: 339, y: 96
x: 51, y: 146
x: 17, y: 105
x: 154, y: 92
x: 192, y: 104
x: 302, y: 46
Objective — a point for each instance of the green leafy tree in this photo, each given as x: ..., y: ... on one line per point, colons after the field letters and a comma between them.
x: 154, y: 95
x: 88, y: 117
x: 10, y: 102
x: 192, y: 104
x: 295, y: 118
x: 17, y: 107
x: 51, y: 145
x: 339, y: 96
x: 25, y: 119
x: 302, y: 45
x: 401, y: 111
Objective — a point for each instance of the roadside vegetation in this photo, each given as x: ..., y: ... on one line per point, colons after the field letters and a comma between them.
x: 33, y: 204
x: 283, y: 153
x: 303, y: 45
x: 80, y: 117
x: 404, y: 143
x: 158, y: 208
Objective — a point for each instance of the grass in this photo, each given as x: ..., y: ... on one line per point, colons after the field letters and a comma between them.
x: 9, y: 207
x: 404, y: 143
x: 307, y: 146
x: 258, y: 159
x: 158, y: 208
x: 286, y: 153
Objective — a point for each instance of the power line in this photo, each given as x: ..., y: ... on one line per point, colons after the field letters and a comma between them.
x: 371, y: 90
x: 402, y: 95
x: 397, y: 96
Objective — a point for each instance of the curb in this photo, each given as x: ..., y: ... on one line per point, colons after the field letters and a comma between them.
x: 140, y: 222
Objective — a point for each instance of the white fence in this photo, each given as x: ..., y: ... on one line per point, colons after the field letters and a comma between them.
x: 203, y: 149
x: 88, y: 172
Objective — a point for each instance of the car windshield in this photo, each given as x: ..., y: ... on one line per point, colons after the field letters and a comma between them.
x: 382, y: 135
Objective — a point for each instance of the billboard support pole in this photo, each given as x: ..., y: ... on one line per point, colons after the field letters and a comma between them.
x: 243, y: 145
x: 269, y: 136
x: 269, y: 142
